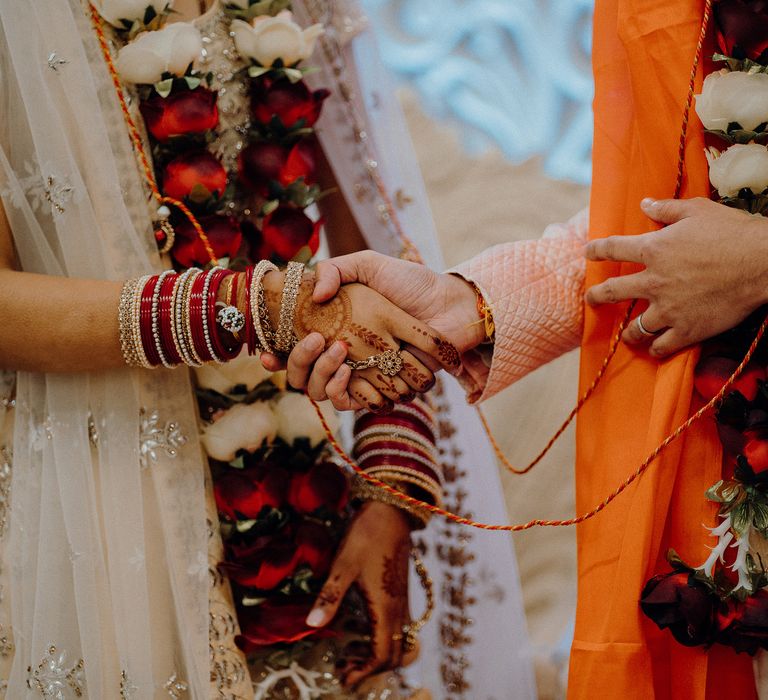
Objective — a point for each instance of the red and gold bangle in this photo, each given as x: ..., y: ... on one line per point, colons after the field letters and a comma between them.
x: 165, y: 320
x: 250, y: 331
x: 371, y: 421
x: 196, y: 320
x: 220, y: 352
x: 145, y: 319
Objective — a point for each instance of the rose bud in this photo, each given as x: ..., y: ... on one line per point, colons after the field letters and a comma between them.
x: 713, y: 372
x: 265, y: 566
x: 289, y: 102
x: 181, y: 113
x: 263, y: 163
x: 323, y: 486
x: 744, y: 626
x: 245, y: 493
x: 196, y: 174
x: 286, y: 230
x: 315, y: 547
x: 275, y: 621
x: 742, y: 28
x: 223, y: 233
x: 678, y: 602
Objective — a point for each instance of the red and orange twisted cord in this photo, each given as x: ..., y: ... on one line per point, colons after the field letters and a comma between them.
x: 135, y: 136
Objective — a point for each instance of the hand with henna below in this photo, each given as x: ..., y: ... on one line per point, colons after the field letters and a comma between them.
x: 374, y: 555
x: 445, y: 302
x: 357, y: 322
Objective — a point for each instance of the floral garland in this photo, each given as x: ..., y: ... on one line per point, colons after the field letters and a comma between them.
x: 725, y: 599
x: 283, y: 505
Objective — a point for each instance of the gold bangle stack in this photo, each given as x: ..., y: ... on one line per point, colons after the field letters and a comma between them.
x: 259, y: 311
x: 285, y: 338
x: 365, y: 491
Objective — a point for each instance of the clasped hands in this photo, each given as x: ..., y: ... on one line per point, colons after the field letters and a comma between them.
x: 701, y: 272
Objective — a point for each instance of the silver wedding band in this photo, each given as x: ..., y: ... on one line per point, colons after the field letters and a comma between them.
x: 643, y: 329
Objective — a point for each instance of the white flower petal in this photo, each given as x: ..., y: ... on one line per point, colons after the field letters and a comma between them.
x: 296, y: 418
x: 733, y: 96
x: 136, y: 64
x: 270, y: 38
x: 242, y: 427
x: 242, y: 33
x: 185, y: 47
x: 741, y: 165
x: 113, y: 11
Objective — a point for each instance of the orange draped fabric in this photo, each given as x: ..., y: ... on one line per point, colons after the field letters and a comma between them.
x: 642, y: 56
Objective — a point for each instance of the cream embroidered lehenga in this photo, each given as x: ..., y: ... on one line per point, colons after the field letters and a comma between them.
x: 109, y: 580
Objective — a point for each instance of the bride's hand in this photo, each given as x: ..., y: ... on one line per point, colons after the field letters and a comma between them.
x: 374, y: 555
x: 445, y: 302
x: 358, y: 323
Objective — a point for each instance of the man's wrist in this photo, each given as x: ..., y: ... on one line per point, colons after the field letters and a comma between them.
x: 470, y: 329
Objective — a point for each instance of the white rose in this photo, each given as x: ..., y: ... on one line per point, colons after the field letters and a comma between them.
x: 742, y: 165
x: 244, y: 369
x: 170, y: 49
x: 113, y: 11
x: 733, y: 97
x: 270, y: 38
x: 242, y: 427
x: 296, y: 418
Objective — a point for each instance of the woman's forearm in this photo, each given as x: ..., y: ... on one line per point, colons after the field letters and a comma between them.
x: 58, y: 324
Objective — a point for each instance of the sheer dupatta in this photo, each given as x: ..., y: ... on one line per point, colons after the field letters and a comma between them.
x: 105, y: 558
x: 477, y: 645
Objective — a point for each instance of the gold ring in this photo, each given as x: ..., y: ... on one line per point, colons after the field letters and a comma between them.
x: 389, y: 362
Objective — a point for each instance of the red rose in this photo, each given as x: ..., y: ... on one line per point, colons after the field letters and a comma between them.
x: 243, y: 494
x: 744, y: 626
x: 183, y: 112
x: 713, y: 372
x: 293, y: 104
x: 263, y: 564
x: 274, y: 621
x: 683, y: 605
x: 756, y: 452
x: 742, y: 29
x: 323, y: 486
x: 223, y: 233
x: 262, y: 163
x: 286, y: 230
x: 196, y: 174
x: 314, y: 547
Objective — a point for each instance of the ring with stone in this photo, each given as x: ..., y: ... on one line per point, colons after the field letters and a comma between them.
x: 390, y: 362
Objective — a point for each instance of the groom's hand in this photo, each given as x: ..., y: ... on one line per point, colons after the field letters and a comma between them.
x: 445, y: 302
x: 705, y: 272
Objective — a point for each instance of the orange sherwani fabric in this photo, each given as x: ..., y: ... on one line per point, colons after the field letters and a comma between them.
x: 643, y: 54
x: 642, y: 58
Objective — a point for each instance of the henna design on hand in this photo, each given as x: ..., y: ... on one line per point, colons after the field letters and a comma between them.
x: 369, y: 337
x: 330, y: 319
x: 394, y: 579
x: 422, y: 381
x: 447, y: 352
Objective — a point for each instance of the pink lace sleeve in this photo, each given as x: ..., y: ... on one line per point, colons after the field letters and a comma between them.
x: 535, y: 289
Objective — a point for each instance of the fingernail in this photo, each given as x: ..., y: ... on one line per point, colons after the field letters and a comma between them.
x: 313, y: 342
x: 316, y: 618
x: 647, y: 203
x: 340, y: 373
x: 338, y: 351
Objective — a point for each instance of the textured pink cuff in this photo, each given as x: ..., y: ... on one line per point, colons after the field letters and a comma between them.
x: 535, y: 289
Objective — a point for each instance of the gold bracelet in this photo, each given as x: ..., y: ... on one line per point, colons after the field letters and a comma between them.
x: 364, y: 491
x: 285, y: 338
x: 410, y: 631
x: 125, y: 323
x: 259, y: 312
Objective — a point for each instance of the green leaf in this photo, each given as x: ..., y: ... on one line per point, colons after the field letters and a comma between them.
x: 164, y: 87
x: 250, y: 602
x: 237, y: 462
x: 270, y: 206
x: 256, y: 71
x: 741, y: 518
x: 760, y: 515
x: 192, y: 81
x: 244, y: 525
x: 293, y: 74
x: 713, y: 492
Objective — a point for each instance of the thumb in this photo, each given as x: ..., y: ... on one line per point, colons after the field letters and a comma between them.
x: 666, y: 211
x: 327, y: 281
x: 329, y: 599
x: 354, y: 267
